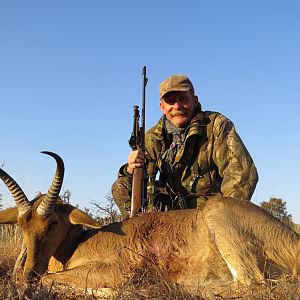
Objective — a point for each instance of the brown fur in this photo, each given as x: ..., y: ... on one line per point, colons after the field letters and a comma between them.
x: 227, y: 240
x: 296, y: 267
x: 8, y: 216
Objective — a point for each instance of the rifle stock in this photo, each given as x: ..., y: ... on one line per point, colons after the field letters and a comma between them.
x: 137, y: 191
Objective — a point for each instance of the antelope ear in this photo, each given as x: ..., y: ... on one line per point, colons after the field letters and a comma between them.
x: 77, y: 216
x: 9, y: 216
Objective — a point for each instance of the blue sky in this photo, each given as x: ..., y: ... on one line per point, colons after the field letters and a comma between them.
x: 70, y: 73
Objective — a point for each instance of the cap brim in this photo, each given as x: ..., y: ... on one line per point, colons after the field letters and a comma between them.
x: 176, y: 89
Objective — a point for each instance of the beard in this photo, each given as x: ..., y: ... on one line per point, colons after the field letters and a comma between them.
x: 177, y: 113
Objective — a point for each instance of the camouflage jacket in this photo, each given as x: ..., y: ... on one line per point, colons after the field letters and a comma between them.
x: 213, y: 159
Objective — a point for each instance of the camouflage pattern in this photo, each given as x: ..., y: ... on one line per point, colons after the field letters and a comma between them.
x: 177, y: 82
x: 162, y: 200
x: 121, y: 192
x: 213, y: 159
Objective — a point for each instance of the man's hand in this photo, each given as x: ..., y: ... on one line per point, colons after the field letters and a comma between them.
x: 136, y: 159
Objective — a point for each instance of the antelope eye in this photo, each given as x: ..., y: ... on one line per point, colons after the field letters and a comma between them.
x: 52, y: 226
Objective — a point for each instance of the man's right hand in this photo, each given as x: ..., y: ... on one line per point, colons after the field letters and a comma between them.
x: 136, y: 159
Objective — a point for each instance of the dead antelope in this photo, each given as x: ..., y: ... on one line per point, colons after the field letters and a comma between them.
x: 227, y: 240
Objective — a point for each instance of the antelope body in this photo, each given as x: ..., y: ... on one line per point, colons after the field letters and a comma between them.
x: 227, y: 240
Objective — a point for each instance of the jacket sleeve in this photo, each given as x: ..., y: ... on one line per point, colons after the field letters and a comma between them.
x: 123, y: 172
x: 235, y: 165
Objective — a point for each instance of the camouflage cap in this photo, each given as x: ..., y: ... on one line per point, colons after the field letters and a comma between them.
x: 176, y: 82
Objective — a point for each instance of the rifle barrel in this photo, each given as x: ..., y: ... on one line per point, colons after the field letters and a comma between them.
x: 144, y: 81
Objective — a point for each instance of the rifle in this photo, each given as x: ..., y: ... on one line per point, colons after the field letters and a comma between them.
x: 137, y: 142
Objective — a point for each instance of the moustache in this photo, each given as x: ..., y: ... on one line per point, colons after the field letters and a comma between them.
x: 178, y: 113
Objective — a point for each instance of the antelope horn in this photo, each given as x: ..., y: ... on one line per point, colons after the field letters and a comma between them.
x: 46, y: 206
x: 23, y: 205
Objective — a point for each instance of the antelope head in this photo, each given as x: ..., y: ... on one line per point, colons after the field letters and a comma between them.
x: 42, y: 227
x: 47, y: 223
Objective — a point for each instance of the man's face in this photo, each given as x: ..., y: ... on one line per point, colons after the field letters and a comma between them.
x: 179, y: 107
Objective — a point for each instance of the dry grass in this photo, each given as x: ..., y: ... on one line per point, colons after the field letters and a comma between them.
x: 10, y: 245
x: 147, y: 285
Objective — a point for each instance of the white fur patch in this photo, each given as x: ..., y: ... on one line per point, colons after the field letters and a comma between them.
x: 232, y: 270
x: 103, y: 293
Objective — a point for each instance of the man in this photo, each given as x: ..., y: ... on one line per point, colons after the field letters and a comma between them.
x: 198, y: 154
